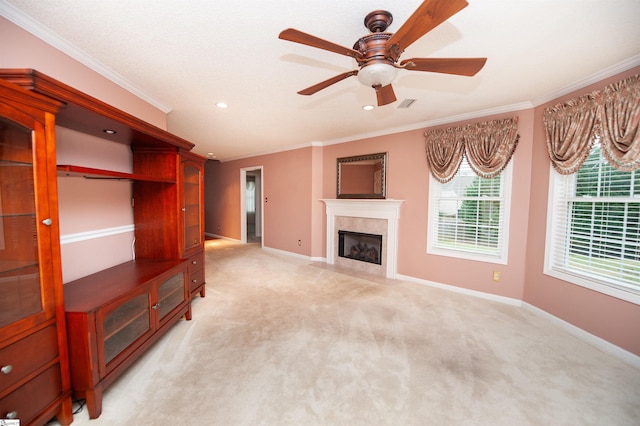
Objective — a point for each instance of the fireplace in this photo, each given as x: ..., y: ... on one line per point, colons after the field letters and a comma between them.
x: 360, y: 246
x: 364, y: 216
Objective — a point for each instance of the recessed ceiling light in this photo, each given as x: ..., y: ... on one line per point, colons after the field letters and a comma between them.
x: 367, y: 107
x: 221, y: 105
x: 110, y: 131
x: 211, y: 155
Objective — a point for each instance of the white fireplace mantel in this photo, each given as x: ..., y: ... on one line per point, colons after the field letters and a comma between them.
x: 388, y: 209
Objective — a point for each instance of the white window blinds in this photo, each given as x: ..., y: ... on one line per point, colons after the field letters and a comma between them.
x: 594, y: 231
x: 469, y: 216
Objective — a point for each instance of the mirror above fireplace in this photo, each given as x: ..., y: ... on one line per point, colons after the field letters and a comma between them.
x: 362, y: 176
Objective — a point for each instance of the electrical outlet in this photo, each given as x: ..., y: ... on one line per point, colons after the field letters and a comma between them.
x: 496, y: 276
x: 299, y: 242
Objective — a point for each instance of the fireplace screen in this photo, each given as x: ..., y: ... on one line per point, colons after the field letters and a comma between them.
x: 359, y: 246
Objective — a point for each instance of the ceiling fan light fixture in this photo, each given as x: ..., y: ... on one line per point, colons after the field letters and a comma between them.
x: 378, y: 73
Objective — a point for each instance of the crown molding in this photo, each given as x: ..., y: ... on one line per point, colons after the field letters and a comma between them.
x: 432, y: 123
x: 610, y: 71
x: 34, y: 27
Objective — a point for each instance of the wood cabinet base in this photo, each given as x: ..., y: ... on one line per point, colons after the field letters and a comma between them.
x: 115, y: 315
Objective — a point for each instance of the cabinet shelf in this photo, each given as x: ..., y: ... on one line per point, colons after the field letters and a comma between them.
x: 11, y: 267
x: 13, y: 163
x: 126, y: 315
x: 17, y: 215
x: 90, y: 173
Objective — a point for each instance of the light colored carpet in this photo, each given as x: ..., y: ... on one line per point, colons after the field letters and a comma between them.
x: 282, y: 341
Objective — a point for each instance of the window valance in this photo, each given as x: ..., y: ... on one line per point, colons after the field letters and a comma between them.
x: 488, y: 147
x: 612, y: 115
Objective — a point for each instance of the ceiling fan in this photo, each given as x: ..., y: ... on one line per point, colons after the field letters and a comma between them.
x: 377, y: 54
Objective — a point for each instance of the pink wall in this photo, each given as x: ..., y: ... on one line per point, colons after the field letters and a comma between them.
x: 21, y: 49
x: 287, y: 180
x: 607, y: 317
x: 90, y: 205
x: 408, y: 179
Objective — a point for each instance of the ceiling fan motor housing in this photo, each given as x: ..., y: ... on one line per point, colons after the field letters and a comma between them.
x: 378, y: 21
x: 377, y: 65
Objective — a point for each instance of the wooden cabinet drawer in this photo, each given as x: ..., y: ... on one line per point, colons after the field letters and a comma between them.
x: 196, y: 262
x: 27, y: 401
x: 196, y: 271
x: 25, y: 356
x: 196, y: 279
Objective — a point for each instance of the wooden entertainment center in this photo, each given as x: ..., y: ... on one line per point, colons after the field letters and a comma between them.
x: 92, y: 328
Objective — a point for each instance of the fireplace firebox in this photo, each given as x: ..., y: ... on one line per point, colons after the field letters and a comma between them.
x: 360, y: 246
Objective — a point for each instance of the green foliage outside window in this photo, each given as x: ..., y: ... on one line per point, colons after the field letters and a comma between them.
x: 481, y: 216
x: 605, y: 223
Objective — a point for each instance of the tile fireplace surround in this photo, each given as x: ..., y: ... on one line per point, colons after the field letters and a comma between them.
x: 368, y: 216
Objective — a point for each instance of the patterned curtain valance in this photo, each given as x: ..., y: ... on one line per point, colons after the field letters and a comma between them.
x: 445, y: 149
x: 613, y: 115
x: 620, y: 124
x: 488, y: 147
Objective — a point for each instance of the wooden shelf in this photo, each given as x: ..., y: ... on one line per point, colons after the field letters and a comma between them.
x: 89, y: 173
x: 89, y: 115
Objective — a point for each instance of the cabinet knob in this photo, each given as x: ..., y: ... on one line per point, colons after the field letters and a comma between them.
x: 12, y: 415
x: 156, y: 306
x: 47, y: 221
x: 6, y: 369
x: 184, y: 209
x: 194, y: 281
x: 194, y: 262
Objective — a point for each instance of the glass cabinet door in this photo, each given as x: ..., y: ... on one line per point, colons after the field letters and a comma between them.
x: 192, y: 225
x: 124, y: 325
x: 170, y: 294
x: 20, y: 294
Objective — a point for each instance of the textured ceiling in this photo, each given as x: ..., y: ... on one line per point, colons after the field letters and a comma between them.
x: 188, y: 55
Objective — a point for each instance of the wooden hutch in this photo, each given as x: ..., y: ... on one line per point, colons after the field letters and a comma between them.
x: 111, y: 316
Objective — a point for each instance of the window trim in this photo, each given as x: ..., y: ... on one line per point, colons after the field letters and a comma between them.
x: 575, y: 278
x: 432, y: 225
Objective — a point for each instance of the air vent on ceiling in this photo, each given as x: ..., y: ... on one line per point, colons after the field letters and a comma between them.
x: 406, y: 103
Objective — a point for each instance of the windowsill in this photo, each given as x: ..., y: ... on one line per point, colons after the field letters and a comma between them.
x: 458, y: 254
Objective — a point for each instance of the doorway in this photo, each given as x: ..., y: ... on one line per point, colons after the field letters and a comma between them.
x: 251, y: 208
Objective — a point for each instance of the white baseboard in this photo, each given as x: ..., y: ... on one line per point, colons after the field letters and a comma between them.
x: 605, y: 346
x: 296, y: 255
x: 474, y: 293
x: 207, y: 234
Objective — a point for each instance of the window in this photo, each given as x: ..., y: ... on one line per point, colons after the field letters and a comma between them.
x: 593, y: 236
x: 469, y: 216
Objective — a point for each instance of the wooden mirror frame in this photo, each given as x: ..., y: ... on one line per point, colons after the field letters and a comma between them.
x: 378, y: 188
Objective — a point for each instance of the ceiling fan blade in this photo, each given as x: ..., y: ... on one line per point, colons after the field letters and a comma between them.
x: 426, y: 17
x: 296, y: 36
x: 385, y: 95
x: 322, y: 85
x: 457, y: 66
